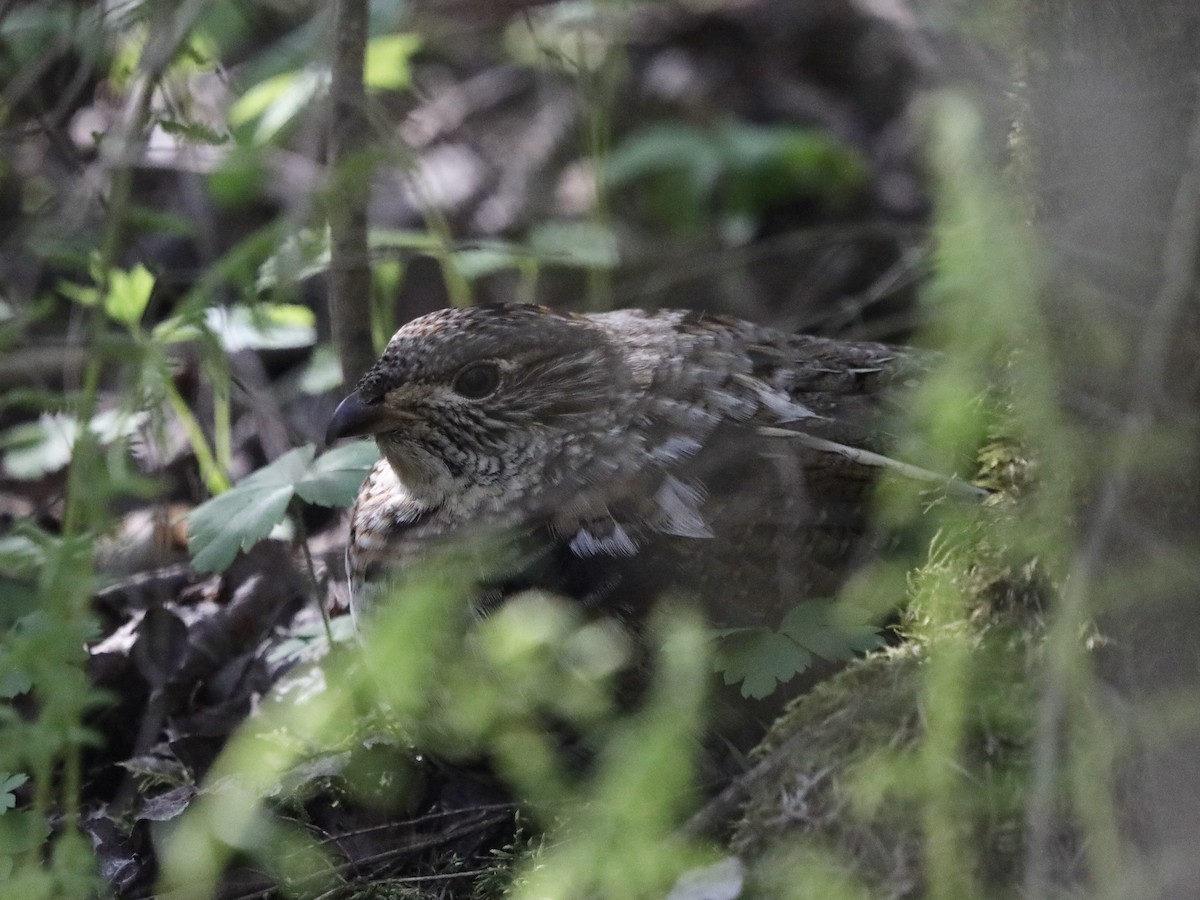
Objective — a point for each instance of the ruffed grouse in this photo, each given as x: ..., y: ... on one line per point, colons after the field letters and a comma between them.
x: 631, y: 453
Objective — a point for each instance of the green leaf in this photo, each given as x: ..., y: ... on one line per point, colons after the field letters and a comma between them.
x: 34, y: 449
x: 404, y: 239
x: 20, y: 556
x: 768, y: 165
x: 760, y: 659
x: 8, y: 784
x: 247, y: 512
x: 334, y: 479
x: 479, y: 262
x: 584, y: 244
x: 386, y: 66
x: 21, y: 831
x: 175, y: 330
x: 128, y: 294
x: 323, y: 371
x: 300, y: 255
x: 263, y: 326
x: 277, y: 101
x: 666, y: 148
x: 14, y: 679
x: 829, y: 630
x: 85, y: 295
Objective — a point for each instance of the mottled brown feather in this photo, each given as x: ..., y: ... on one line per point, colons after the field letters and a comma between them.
x: 626, y: 448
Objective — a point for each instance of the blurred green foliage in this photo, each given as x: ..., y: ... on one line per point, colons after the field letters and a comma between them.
x: 732, y: 171
x: 428, y: 678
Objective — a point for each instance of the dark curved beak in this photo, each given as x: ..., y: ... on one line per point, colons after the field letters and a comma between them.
x: 353, y: 418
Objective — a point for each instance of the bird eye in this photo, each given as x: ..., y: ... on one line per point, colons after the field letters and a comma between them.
x: 477, y: 380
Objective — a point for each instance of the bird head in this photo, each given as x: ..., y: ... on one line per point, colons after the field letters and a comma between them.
x: 463, y: 401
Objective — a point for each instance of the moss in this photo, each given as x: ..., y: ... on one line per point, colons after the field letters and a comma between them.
x: 847, y: 796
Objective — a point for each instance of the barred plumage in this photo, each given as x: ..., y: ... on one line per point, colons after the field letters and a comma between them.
x: 645, y: 451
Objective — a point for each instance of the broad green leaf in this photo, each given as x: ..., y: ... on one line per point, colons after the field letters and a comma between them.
x: 247, y: 512
x: 335, y: 477
x: 760, y: 659
x: 386, y: 66
x: 584, y: 244
x: 830, y: 631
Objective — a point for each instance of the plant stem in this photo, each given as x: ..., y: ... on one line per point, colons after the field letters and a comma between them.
x: 313, y: 582
x: 349, y: 266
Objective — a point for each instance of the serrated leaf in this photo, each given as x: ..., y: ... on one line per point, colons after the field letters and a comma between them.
x: 831, y: 632
x: 760, y: 659
x: 335, y: 477
x: 247, y: 512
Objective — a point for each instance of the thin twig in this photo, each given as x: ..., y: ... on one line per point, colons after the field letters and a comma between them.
x: 314, y: 584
